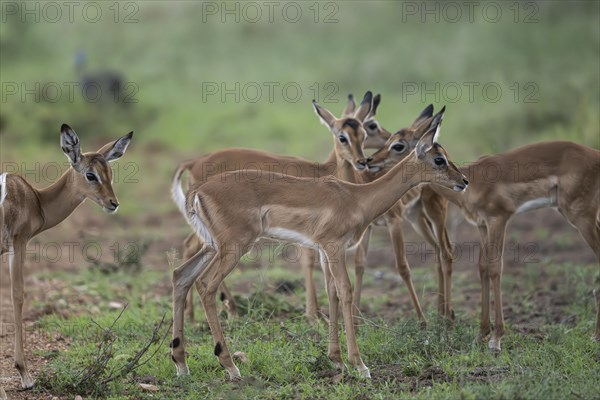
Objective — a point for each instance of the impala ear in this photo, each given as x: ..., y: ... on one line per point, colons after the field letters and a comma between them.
x: 431, y: 123
x: 350, y: 107
x: 70, y: 144
x: 376, y: 102
x: 425, y: 114
x: 436, y: 123
x: 114, y: 150
x: 425, y: 143
x: 365, y: 107
x: 325, y: 116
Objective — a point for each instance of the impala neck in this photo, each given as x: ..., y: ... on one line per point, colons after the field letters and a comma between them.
x: 377, y: 197
x: 345, y: 171
x: 327, y: 167
x: 60, y: 199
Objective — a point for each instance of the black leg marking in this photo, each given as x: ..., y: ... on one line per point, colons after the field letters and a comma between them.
x: 174, y: 343
x: 223, y: 297
x: 218, y: 349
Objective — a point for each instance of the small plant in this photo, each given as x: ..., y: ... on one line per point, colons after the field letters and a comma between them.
x: 105, y: 366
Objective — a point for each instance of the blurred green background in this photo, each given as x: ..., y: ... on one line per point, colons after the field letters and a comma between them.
x: 510, y: 73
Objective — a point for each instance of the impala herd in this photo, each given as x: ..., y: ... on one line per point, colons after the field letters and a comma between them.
x: 327, y: 208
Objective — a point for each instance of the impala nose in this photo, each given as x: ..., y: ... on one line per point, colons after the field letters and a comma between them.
x: 114, y: 204
x: 369, y: 159
x: 362, y: 161
x: 465, y: 181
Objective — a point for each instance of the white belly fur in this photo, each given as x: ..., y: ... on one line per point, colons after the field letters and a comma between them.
x: 290, y: 235
x: 551, y: 200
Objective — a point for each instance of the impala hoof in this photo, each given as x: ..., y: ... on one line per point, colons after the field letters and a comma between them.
x: 365, y: 373
x: 234, y: 374
x: 27, y: 382
x: 182, y: 370
x: 494, y: 345
x: 452, y: 315
x: 313, y: 320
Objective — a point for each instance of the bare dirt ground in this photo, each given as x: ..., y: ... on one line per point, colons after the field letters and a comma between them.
x: 533, y: 240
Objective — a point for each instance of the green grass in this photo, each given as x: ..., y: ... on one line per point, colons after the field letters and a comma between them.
x: 287, y: 356
x: 169, y: 53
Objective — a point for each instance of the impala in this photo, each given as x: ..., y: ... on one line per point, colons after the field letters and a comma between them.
x: 427, y: 219
x: 346, y: 156
x: 561, y: 175
x: 25, y: 212
x: 327, y: 214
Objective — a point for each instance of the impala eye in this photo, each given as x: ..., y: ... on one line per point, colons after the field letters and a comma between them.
x: 91, y: 177
x: 399, y: 147
x: 439, y: 161
x: 372, y: 126
x: 343, y: 139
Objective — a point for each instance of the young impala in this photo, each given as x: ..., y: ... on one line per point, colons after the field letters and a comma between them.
x: 428, y: 219
x: 427, y: 216
x: 327, y: 214
x: 25, y: 212
x: 346, y: 156
x: 561, y: 175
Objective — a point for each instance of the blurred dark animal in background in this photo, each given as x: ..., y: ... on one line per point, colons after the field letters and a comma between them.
x: 98, y: 86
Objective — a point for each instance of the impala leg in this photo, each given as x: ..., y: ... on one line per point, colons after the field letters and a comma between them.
x: 16, y: 261
x: 2, y: 249
x: 207, y: 287
x: 395, y: 229
x: 447, y: 257
x: 336, y: 256
x: 333, y: 348
x: 484, y: 323
x: 422, y: 225
x: 423, y: 217
x: 596, y: 336
x: 227, y: 299
x: 360, y: 261
x: 191, y: 246
x: 591, y: 233
x: 307, y: 262
x: 436, y: 210
x: 183, y: 278
x: 495, y: 252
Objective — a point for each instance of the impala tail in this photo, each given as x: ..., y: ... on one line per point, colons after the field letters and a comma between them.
x: 177, y: 191
x: 2, y: 187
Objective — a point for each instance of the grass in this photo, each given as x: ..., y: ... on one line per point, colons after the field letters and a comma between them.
x: 287, y: 356
x: 169, y: 54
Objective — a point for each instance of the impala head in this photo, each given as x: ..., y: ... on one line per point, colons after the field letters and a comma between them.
x: 399, y: 145
x: 348, y: 132
x: 376, y: 134
x: 430, y: 156
x: 91, y: 172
